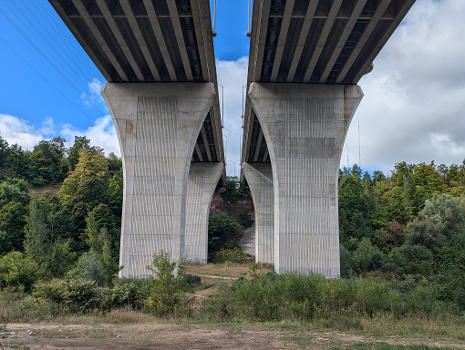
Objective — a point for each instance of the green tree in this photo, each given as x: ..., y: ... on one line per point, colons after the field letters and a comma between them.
x: 48, y: 159
x: 86, y: 186
x: 100, y: 218
x: 223, y: 232
x: 42, y: 243
x: 16, y: 270
x: 80, y: 142
x: 116, y: 193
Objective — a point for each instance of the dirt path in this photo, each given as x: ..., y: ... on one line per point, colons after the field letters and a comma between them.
x: 139, y: 336
x: 159, y: 335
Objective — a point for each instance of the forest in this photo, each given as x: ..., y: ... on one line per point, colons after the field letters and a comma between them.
x: 402, y: 244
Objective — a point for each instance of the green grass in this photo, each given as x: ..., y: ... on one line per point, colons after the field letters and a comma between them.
x: 384, y: 346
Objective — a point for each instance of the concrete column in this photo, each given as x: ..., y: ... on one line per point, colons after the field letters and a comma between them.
x: 203, y: 178
x: 157, y: 126
x: 305, y: 128
x: 260, y: 180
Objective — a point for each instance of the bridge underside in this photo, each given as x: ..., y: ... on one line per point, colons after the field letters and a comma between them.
x: 150, y: 41
x: 306, y: 58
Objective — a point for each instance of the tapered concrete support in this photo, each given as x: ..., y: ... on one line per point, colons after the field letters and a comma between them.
x: 305, y: 127
x: 260, y: 180
x: 157, y: 126
x: 203, y: 178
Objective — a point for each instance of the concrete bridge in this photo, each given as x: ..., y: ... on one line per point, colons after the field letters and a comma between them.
x: 306, y: 58
x: 158, y: 59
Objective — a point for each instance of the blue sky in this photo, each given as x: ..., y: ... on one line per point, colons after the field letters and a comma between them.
x: 413, y: 108
x: 46, y: 71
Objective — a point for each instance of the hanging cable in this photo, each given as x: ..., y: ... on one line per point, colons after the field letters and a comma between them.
x: 249, y: 32
x: 214, y: 18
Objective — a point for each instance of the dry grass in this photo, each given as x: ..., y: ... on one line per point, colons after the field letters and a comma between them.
x: 150, y: 333
x: 226, y: 269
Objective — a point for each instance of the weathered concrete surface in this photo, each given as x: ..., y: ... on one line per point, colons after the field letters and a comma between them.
x: 305, y: 127
x: 203, y: 178
x: 260, y: 180
x: 157, y: 126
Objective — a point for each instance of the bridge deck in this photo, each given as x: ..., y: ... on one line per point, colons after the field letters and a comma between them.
x: 150, y: 41
x: 317, y: 42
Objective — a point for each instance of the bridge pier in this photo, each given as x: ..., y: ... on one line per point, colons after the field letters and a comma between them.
x: 305, y: 127
x: 157, y: 126
x: 203, y: 178
x: 260, y: 180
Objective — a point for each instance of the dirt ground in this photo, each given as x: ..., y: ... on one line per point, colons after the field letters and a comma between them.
x: 157, y: 334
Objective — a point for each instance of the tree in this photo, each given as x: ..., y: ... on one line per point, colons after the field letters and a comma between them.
x: 16, y: 270
x: 42, y: 243
x: 48, y: 159
x: 80, y: 142
x: 100, y: 218
x: 434, y: 245
x: 13, y: 210
x: 116, y: 194
x: 354, y: 210
x: 86, y: 186
x: 223, y: 232
x: 12, y: 222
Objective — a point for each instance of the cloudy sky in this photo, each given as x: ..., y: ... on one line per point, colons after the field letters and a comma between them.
x: 413, y: 109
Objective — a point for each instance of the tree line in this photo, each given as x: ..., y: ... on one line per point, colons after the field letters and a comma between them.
x: 60, y: 217
x: 60, y: 210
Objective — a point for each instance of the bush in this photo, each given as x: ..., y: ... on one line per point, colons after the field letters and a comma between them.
x: 234, y: 190
x: 130, y: 292
x: 71, y: 295
x: 245, y: 219
x: 16, y: 270
x: 165, y: 296
x: 223, y: 232
x: 234, y: 255
x: 89, y: 268
x: 272, y: 297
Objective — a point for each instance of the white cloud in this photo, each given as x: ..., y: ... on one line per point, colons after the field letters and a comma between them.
x: 93, y: 96
x: 414, y: 104
x: 15, y: 130
x: 233, y: 76
x: 101, y: 134
x: 19, y: 131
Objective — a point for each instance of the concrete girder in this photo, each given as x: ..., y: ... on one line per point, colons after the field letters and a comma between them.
x: 305, y: 127
x: 157, y: 125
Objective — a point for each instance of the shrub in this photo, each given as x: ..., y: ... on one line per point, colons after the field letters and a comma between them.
x: 272, y: 297
x: 165, y: 296
x: 16, y: 270
x: 71, y: 295
x: 89, y: 268
x: 130, y: 292
x: 223, y: 232
x: 234, y: 255
x: 245, y: 219
x: 233, y: 191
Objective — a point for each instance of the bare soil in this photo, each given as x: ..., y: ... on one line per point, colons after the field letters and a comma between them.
x: 159, y: 334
